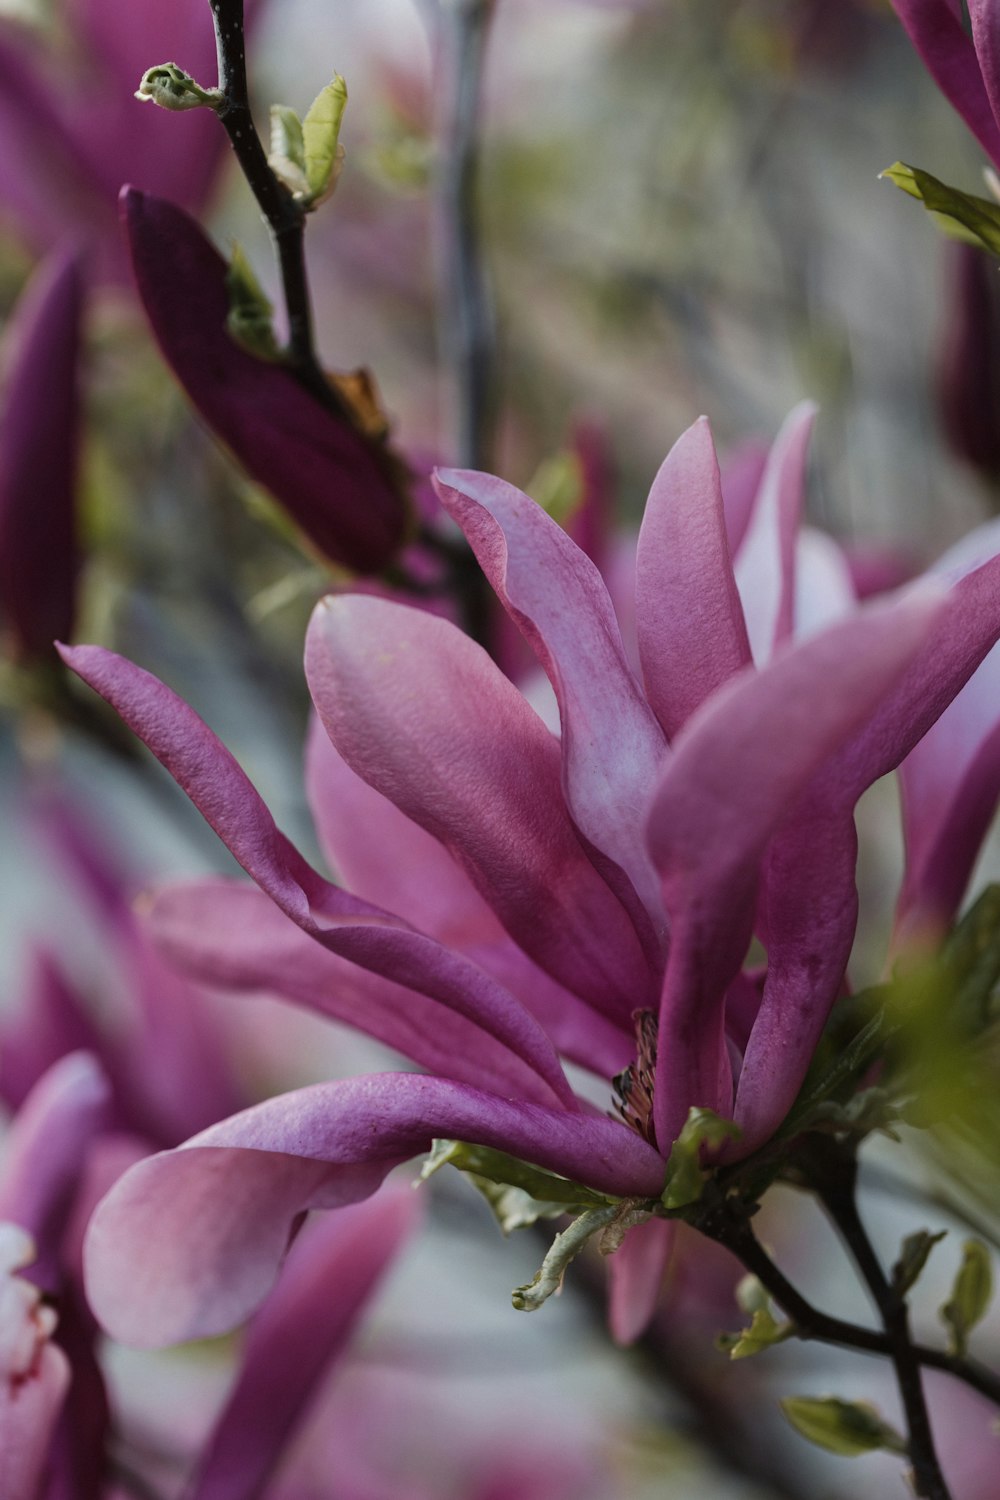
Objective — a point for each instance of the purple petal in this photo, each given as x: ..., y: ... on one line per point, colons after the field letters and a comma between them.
x: 612, y: 747
x: 49, y: 1021
x: 338, y: 485
x: 636, y: 1272
x: 936, y: 31
x: 424, y: 716
x: 45, y: 1149
x: 356, y: 930
x: 38, y: 462
x: 692, y: 636
x: 741, y: 476
x: 738, y: 767
x: 986, y: 37
x: 300, y: 1333
x: 386, y: 858
x: 765, y: 567
x: 228, y: 934
x: 202, y: 1230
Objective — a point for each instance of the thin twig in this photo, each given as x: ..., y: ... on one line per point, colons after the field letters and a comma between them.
x: 285, y: 218
x: 834, y: 1180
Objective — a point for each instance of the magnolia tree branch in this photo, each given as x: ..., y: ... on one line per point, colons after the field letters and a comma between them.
x: 834, y: 1180
x: 465, y: 314
x: 285, y: 218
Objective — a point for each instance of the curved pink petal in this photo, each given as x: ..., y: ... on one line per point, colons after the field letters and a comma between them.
x: 385, y: 857
x: 986, y: 38
x: 29, y: 1411
x: 738, y: 768
x: 46, y: 1147
x: 765, y: 564
x: 635, y: 1274
x: 226, y: 933
x: 692, y: 636
x: 742, y: 473
x: 337, y: 484
x: 424, y: 716
x: 612, y: 746
x: 936, y: 31
x: 356, y: 930
x: 188, y: 1243
x: 811, y: 863
x: 300, y: 1333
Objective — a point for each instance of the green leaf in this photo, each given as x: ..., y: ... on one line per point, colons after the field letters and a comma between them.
x: 287, y: 156
x: 557, y: 486
x: 912, y: 1259
x: 324, y: 154
x: 497, y: 1167
x: 703, y: 1130
x: 970, y: 1295
x: 171, y: 88
x: 960, y: 215
x: 764, y: 1332
x: 846, y: 1427
x: 249, y: 320
x: 513, y: 1207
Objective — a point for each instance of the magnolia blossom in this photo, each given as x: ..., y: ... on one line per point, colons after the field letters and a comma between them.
x: 516, y: 896
x: 966, y: 68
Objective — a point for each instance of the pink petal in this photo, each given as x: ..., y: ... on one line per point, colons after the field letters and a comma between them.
x: 188, y: 1243
x: 46, y: 1147
x: 739, y: 766
x: 356, y: 930
x: 936, y: 31
x: 28, y: 1415
x: 741, y: 476
x: 612, y: 746
x: 636, y: 1272
x: 227, y: 933
x: 692, y: 636
x: 300, y: 1333
x: 423, y: 715
x: 986, y: 36
x: 765, y: 566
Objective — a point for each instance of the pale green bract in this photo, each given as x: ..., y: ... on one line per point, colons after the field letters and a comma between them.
x: 306, y: 154
x: 171, y: 88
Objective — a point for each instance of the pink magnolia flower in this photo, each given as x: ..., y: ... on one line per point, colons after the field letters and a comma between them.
x: 516, y: 895
x: 33, y: 1372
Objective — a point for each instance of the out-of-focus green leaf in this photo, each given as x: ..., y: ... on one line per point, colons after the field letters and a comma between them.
x: 287, y: 156
x: 960, y: 215
x: 970, y: 1295
x: 557, y: 486
x: 250, y: 316
x: 846, y: 1427
x: 497, y: 1167
x: 912, y: 1258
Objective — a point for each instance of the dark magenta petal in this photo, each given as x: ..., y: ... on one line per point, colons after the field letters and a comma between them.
x: 426, y: 718
x: 38, y: 462
x: 339, y: 486
x: 612, y: 746
x: 968, y: 82
x: 355, y: 929
x: 188, y: 1243
x: 299, y: 1335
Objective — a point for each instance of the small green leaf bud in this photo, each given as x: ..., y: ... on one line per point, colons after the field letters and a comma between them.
x: 846, y: 1427
x: 171, y: 88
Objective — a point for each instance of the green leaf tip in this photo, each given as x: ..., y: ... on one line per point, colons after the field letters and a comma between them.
x: 306, y: 154
x: 970, y: 1295
x: 961, y: 216
x: 249, y: 321
x: 912, y: 1259
x: 846, y: 1427
x: 171, y: 88
x: 703, y: 1130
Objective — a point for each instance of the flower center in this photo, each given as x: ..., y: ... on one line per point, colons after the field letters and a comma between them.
x: 634, y: 1087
